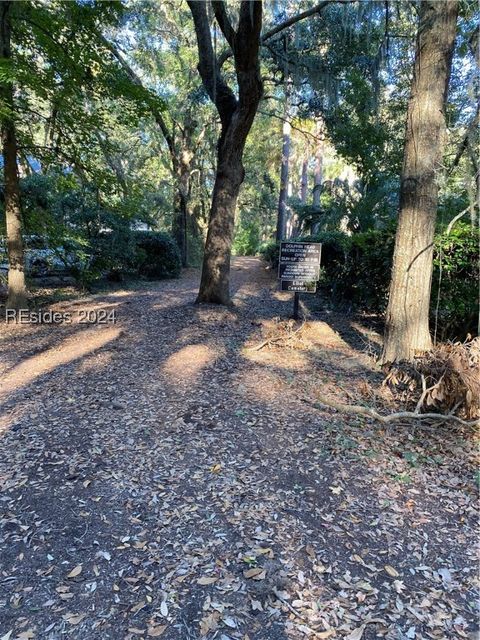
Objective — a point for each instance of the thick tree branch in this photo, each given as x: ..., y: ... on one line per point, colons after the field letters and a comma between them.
x: 246, y: 51
x: 317, y: 9
x: 294, y: 19
x: 216, y: 87
x: 224, y: 22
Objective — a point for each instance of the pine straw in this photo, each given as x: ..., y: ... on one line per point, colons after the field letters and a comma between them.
x: 447, y: 378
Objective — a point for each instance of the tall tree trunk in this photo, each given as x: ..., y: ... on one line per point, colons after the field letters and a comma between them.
x: 296, y: 223
x: 17, y: 295
x: 317, y: 182
x: 214, y: 285
x: 304, y: 182
x: 407, y: 319
x: 284, y: 170
x: 181, y: 215
x: 236, y: 116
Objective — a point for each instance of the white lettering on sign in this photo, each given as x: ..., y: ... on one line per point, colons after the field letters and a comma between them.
x: 299, y: 264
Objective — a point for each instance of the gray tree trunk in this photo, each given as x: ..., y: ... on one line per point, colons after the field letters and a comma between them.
x: 284, y: 170
x: 407, y: 319
x: 304, y: 182
x: 317, y: 183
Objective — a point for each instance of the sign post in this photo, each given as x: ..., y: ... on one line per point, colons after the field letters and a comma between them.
x: 296, y: 302
x: 299, y: 269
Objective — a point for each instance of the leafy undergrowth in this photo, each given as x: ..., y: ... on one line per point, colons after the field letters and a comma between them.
x: 161, y: 478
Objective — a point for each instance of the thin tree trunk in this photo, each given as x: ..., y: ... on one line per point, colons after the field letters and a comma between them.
x: 17, y: 295
x: 179, y: 226
x: 304, y: 182
x: 296, y: 223
x: 317, y: 183
x: 181, y: 213
x: 407, y: 319
x: 284, y: 170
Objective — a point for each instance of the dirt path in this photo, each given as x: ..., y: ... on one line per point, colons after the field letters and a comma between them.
x: 162, y: 480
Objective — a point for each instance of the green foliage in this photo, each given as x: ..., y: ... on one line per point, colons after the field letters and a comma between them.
x: 247, y: 239
x: 455, y: 282
x: 91, y: 235
x: 270, y: 252
x: 158, y: 255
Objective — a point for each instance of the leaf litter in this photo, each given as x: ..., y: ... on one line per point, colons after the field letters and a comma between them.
x: 171, y: 483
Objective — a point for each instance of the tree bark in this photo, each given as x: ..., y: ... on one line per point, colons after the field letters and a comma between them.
x: 407, y: 318
x: 304, y: 182
x: 236, y: 116
x: 317, y: 183
x: 17, y: 294
x: 181, y: 171
x: 284, y: 171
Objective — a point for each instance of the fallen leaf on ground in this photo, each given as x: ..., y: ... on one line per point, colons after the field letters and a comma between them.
x: 76, y: 571
x: 207, y: 580
x: 155, y: 632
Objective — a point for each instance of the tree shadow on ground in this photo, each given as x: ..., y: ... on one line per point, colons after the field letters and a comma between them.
x: 183, y: 457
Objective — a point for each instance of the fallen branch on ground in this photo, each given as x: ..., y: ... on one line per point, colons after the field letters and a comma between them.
x: 268, y: 341
x: 357, y: 409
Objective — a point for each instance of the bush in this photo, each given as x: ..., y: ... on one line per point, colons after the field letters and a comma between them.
x: 335, y: 246
x: 157, y: 255
x: 122, y: 252
x: 455, y: 282
x: 367, y: 270
x: 112, y: 253
x: 246, y: 240
x: 270, y: 252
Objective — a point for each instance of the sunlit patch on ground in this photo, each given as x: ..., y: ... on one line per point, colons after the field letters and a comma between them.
x: 72, y: 348
x: 188, y: 363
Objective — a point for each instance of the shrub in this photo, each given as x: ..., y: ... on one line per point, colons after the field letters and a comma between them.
x: 246, y: 239
x: 270, y: 252
x: 366, y: 276
x: 335, y: 246
x: 157, y: 255
x: 112, y: 253
x: 455, y: 282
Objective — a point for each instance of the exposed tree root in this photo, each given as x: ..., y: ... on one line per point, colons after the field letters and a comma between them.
x: 357, y: 409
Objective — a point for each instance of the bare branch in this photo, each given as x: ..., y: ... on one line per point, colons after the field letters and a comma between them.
x: 356, y: 409
x: 318, y: 8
